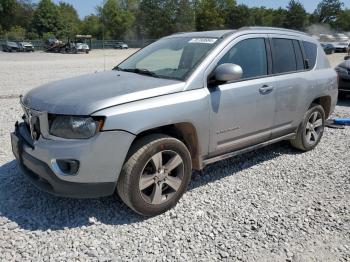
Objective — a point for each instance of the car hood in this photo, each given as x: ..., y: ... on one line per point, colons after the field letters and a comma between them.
x: 90, y: 93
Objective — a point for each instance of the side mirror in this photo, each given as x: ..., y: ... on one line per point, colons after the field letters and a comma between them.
x: 228, y: 72
x: 347, y: 57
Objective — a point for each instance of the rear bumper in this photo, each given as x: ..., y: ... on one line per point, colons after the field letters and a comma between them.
x: 100, y: 181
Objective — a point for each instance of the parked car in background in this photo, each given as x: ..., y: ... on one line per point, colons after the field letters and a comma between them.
x: 121, y: 45
x: 328, y: 48
x: 81, y: 43
x: 26, y: 47
x: 342, y: 47
x: 82, y: 47
x: 343, y: 71
x: 341, y: 37
x: 326, y: 38
x: 9, y: 46
x: 181, y: 103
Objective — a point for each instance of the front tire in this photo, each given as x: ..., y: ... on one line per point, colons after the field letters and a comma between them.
x: 155, y: 175
x: 311, y: 130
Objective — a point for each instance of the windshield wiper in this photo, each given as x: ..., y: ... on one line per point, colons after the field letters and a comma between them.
x: 141, y: 71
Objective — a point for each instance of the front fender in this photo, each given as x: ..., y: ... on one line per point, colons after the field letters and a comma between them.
x: 183, y: 107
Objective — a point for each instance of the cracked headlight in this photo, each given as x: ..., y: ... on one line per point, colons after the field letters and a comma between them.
x: 74, y: 127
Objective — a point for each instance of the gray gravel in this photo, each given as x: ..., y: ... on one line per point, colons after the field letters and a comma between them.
x: 274, y: 204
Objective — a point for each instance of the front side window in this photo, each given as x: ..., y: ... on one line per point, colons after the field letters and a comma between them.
x: 173, y: 58
x: 250, y: 54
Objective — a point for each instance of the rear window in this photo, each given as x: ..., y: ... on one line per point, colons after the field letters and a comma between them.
x: 284, y: 59
x: 310, y: 53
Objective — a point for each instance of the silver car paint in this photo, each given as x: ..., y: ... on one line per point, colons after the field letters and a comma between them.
x: 100, y: 157
x: 86, y: 94
x: 232, y: 117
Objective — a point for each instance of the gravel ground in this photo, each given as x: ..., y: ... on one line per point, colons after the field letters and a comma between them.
x: 274, y: 204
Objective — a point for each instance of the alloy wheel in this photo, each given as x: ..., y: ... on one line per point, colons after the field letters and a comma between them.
x: 161, y: 177
x: 314, y: 128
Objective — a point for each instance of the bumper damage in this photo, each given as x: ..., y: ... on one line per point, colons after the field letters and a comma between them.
x: 42, y: 175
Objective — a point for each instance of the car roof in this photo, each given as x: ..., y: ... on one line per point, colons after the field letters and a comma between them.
x: 210, y: 34
x: 252, y: 29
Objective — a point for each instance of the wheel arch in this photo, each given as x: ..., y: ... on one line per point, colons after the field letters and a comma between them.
x: 325, y: 102
x: 185, y: 132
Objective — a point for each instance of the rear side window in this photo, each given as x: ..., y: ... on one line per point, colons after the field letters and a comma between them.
x: 298, y: 55
x: 250, y: 54
x: 284, y: 59
x: 311, y: 53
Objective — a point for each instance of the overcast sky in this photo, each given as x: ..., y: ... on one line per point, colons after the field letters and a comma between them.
x: 86, y: 7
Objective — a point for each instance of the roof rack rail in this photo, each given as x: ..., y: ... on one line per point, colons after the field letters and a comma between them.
x: 271, y: 28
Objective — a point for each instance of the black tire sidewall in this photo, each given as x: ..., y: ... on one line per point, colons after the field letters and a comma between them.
x: 137, y: 201
x: 319, y: 109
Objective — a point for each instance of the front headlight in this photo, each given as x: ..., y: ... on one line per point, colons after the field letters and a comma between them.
x: 74, y: 127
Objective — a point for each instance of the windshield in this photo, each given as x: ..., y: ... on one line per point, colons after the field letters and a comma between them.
x: 173, y: 58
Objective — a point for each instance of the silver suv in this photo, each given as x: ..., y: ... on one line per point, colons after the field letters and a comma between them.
x: 179, y: 104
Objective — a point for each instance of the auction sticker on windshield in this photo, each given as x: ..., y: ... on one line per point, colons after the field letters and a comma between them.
x: 203, y: 40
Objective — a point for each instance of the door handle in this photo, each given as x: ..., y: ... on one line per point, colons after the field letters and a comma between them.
x: 265, y: 89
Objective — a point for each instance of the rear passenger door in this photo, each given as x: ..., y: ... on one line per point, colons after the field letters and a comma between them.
x: 291, y: 80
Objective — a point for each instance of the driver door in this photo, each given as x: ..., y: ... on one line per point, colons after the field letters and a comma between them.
x: 242, y: 112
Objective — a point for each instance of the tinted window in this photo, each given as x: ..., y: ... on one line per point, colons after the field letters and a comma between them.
x: 250, y: 54
x: 298, y: 55
x: 284, y: 59
x: 311, y: 53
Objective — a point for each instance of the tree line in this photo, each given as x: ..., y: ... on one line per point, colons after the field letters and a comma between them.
x: 151, y: 19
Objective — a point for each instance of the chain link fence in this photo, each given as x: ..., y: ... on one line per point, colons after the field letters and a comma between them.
x: 95, y: 44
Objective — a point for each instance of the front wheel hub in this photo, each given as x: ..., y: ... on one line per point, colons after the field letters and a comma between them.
x: 161, y: 177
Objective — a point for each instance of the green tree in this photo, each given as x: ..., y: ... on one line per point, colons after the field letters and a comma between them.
x: 238, y: 17
x: 184, y: 16
x: 91, y: 25
x: 24, y: 13
x: 257, y: 16
x: 279, y: 17
x: 154, y: 20
x: 116, y: 20
x: 7, y: 13
x: 47, y: 18
x: 16, y: 33
x: 343, y: 21
x: 296, y: 15
x: 69, y: 18
x: 327, y: 11
x: 209, y: 15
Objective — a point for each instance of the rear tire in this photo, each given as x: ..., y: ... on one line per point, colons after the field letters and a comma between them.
x: 155, y: 175
x: 311, y: 129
